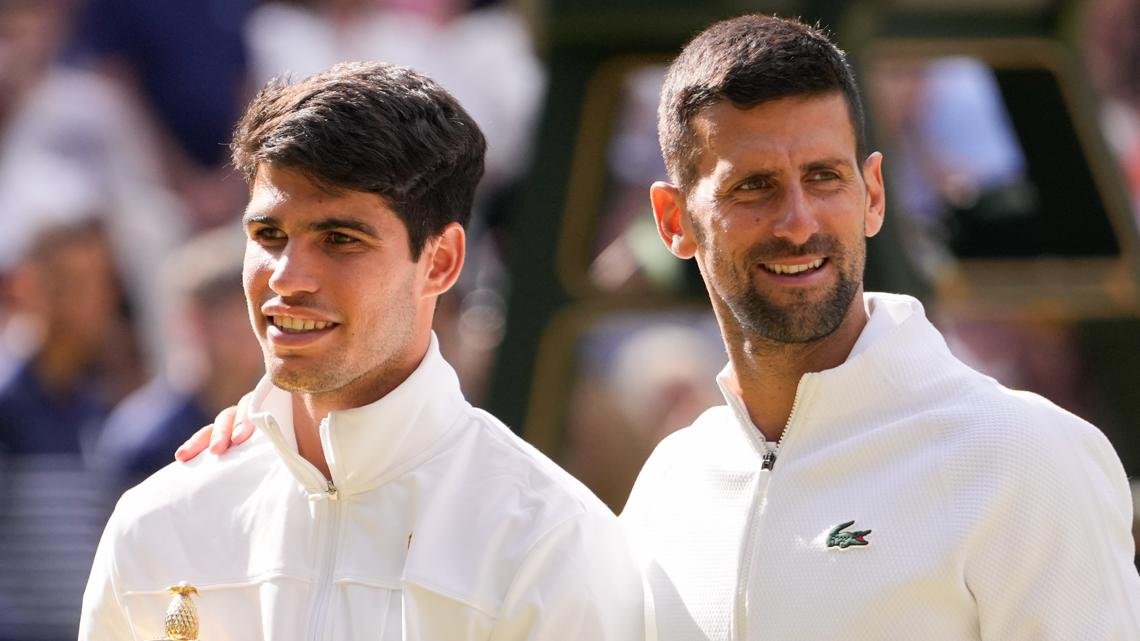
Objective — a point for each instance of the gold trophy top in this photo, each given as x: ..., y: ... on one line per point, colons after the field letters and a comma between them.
x: 181, y: 622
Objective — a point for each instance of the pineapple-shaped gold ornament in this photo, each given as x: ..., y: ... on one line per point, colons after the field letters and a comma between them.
x: 181, y: 620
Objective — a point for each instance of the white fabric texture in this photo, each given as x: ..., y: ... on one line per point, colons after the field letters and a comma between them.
x: 993, y: 514
x: 444, y: 525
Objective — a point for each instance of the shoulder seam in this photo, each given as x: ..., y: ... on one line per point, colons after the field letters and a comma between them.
x: 530, y: 550
x: 542, y: 465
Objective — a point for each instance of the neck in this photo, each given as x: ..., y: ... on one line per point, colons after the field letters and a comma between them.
x: 766, y: 374
x: 307, y: 417
x: 310, y: 409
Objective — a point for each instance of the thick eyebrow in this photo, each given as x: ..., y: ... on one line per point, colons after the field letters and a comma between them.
x: 826, y: 163
x: 764, y: 174
x: 248, y: 219
x: 325, y: 224
x: 734, y: 178
x: 332, y: 224
x: 814, y: 165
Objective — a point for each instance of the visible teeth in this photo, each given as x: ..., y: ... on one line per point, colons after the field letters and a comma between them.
x: 299, y: 325
x: 793, y: 269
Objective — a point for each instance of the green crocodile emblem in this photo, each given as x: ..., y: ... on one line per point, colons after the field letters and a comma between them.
x: 843, y: 540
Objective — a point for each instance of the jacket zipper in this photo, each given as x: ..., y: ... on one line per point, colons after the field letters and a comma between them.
x: 325, y: 585
x: 321, y: 605
x: 763, y: 485
x: 769, y: 460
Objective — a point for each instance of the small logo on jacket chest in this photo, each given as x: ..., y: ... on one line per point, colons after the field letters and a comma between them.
x: 843, y: 540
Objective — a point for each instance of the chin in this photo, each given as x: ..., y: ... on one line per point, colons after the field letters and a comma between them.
x: 302, y: 380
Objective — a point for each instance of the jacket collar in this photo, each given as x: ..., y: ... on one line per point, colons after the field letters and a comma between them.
x: 366, y: 446
x: 898, y: 344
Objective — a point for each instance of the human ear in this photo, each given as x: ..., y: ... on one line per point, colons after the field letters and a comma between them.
x: 669, y: 212
x: 876, y: 203
x: 443, y: 255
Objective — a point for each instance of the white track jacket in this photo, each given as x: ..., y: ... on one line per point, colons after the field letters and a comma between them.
x: 438, y: 525
x: 910, y: 498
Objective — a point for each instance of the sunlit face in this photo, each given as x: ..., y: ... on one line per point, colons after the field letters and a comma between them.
x: 334, y: 295
x: 779, y: 212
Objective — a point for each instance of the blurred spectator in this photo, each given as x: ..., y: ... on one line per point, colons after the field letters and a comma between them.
x: 1112, y: 53
x: 184, y: 62
x: 470, y: 325
x: 52, y: 402
x: 628, y: 256
x: 215, y: 360
x: 69, y: 143
x: 959, y: 172
x: 484, y: 57
x: 644, y: 380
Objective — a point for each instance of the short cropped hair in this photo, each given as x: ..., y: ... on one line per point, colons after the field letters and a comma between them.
x: 370, y: 127
x: 748, y: 60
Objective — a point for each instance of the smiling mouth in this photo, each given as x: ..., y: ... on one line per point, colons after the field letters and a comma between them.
x: 792, y: 270
x: 291, y: 325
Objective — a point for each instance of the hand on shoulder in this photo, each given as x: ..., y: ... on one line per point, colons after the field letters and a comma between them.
x: 229, y: 428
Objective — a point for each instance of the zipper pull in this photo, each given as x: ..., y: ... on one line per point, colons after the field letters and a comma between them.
x: 769, y: 460
x: 331, y: 491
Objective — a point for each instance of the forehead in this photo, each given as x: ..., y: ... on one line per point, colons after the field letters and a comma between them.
x: 791, y: 130
x: 286, y: 193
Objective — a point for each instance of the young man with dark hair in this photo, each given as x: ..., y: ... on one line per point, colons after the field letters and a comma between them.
x: 374, y: 501
x: 860, y: 483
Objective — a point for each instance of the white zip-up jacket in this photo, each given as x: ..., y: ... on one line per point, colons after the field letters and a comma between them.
x: 438, y: 525
x: 910, y: 498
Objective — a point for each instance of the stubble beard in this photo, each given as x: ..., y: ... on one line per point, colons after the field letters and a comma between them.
x: 308, y: 378
x: 346, y: 369
x: 329, y: 374
x: 801, y: 320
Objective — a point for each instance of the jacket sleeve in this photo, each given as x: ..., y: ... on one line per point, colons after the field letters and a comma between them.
x: 578, y: 582
x: 1054, y: 558
x: 103, y: 616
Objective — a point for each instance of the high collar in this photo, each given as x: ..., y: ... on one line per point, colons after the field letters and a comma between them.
x: 366, y: 446
x: 898, y: 344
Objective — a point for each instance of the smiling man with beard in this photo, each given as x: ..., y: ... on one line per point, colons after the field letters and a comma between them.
x: 860, y: 483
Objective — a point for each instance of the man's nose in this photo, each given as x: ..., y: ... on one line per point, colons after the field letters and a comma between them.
x: 293, y: 272
x: 797, y: 222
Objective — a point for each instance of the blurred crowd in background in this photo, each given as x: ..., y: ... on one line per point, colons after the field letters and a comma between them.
x: 122, y: 322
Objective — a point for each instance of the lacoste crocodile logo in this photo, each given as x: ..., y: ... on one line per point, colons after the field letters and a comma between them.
x: 843, y: 540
